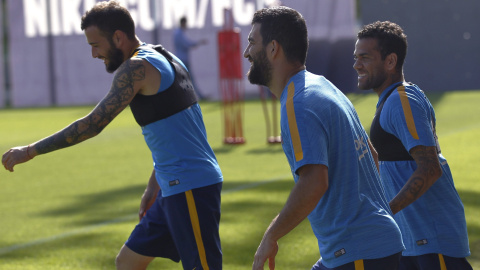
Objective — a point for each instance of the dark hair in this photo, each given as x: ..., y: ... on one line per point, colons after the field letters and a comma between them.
x: 109, y: 17
x: 287, y: 26
x: 390, y: 37
x: 183, y: 20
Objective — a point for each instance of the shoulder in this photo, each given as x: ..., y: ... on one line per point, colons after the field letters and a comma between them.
x: 406, y: 97
x: 316, y: 97
x: 150, y: 57
x: 304, y: 84
x: 130, y: 67
x: 407, y: 105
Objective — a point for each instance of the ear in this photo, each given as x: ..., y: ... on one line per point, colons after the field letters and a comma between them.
x: 273, y: 48
x: 117, y: 38
x: 391, y: 61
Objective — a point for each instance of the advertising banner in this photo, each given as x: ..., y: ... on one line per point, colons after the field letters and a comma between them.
x: 51, y: 62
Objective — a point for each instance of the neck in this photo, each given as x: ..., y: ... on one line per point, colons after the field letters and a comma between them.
x: 392, y: 78
x: 280, y: 80
x: 133, y: 46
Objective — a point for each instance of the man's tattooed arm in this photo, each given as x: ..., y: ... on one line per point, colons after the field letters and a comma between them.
x: 427, y: 172
x: 125, y: 85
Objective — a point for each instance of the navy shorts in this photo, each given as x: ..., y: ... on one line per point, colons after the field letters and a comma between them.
x: 433, y: 261
x: 182, y: 227
x: 387, y: 263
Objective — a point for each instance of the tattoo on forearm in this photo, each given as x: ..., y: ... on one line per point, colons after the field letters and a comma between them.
x: 426, y: 174
x: 119, y: 96
x: 412, y: 192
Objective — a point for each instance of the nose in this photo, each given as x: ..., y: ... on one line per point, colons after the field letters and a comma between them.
x: 356, y: 65
x: 246, y: 53
x: 94, y: 52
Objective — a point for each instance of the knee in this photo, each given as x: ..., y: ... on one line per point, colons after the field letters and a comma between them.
x: 122, y: 262
x: 119, y: 261
x: 129, y: 260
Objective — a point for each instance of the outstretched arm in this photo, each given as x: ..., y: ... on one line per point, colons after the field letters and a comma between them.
x: 427, y: 172
x: 127, y: 82
x: 305, y: 195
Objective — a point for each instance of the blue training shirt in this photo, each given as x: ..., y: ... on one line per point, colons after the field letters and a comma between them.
x: 435, y: 222
x: 183, y: 159
x: 319, y: 125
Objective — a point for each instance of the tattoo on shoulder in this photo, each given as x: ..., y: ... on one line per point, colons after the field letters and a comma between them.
x: 123, y: 83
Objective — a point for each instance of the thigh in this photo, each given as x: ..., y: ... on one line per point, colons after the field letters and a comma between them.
x: 193, y: 218
x: 319, y: 265
x: 434, y: 261
x: 456, y: 263
x: 152, y: 236
x: 387, y: 263
x: 408, y: 263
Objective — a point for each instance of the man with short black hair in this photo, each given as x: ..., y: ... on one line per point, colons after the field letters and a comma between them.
x: 416, y: 176
x: 337, y: 185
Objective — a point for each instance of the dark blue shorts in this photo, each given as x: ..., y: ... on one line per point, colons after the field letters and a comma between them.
x: 433, y: 261
x: 387, y: 263
x: 182, y: 227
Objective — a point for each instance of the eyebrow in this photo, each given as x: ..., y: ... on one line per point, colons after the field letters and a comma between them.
x: 360, y: 54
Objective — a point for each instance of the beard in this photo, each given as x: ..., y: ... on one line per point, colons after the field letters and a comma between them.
x: 374, y: 81
x: 260, y: 71
x: 115, y: 59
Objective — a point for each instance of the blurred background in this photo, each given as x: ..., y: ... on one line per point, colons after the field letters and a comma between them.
x: 46, y: 61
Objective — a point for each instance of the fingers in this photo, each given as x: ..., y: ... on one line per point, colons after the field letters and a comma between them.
x: 15, y: 156
x: 6, y: 161
x: 259, y: 261
x: 257, y: 265
x: 267, y: 250
x: 271, y: 263
x: 141, y: 213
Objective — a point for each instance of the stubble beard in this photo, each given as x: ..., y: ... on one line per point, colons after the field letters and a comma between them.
x: 373, y: 82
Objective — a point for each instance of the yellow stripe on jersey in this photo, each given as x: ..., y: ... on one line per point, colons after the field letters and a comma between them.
x: 359, y: 265
x: 292, y: 123
x: 443, y: 266
x: 135, y: 53
x: 407, y: 111
x: 192, y: 209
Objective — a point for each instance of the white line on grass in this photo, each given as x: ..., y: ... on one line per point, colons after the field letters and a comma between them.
x: 90, y: 228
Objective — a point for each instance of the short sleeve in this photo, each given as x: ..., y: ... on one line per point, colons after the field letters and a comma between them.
x: 406, y: 115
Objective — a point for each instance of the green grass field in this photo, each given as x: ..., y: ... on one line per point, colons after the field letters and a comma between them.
x: 73, y: 209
